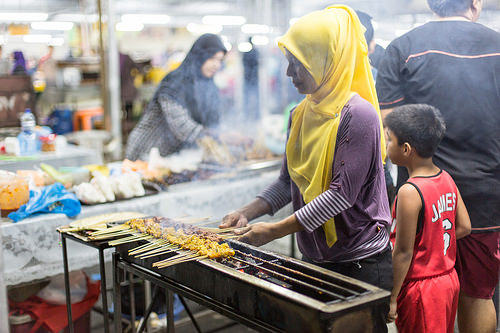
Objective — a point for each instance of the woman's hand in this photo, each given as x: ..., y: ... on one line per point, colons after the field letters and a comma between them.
x: 256, y: 234
x: 234, y: 219
x: 392, y: 315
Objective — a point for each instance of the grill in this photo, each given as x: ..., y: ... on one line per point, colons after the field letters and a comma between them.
x: 264, y: 290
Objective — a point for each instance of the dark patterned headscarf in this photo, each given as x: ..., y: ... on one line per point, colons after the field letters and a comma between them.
x: 190, y: 88
x: 19, y: 63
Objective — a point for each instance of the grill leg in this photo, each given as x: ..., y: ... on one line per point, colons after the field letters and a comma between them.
x: 190, y: 314
x: 144, y: 320
x: 104, y: 295
x: 66, y: 283
x: 117, y: 299
x: 132, y: 300
x: 170, y: 311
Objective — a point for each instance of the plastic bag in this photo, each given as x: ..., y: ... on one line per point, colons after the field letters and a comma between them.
x: 55, y: 293
x: 50, y: 199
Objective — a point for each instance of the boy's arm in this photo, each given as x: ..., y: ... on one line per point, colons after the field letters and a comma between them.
x: 462, y: 220
x: 408, y: 207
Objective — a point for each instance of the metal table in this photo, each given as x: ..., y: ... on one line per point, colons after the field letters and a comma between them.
x: 172, y: 287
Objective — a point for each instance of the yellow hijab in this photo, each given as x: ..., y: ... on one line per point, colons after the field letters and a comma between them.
x: 331, y: 45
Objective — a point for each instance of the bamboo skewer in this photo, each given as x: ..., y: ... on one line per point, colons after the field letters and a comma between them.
x: 182, y: 261
x: 130, y: 239
x: 110, y: 235
x: 111, y: 230
x: 145, y: 256
x: 160, y: 249
x: 147, y: 247
x: 176, y: 259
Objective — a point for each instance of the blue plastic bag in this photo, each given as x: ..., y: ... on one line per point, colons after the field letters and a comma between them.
x: 50, y: 199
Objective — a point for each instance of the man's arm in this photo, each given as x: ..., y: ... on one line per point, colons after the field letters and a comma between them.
x: 462, y: 220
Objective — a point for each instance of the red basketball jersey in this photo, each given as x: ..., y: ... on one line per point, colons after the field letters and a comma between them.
x: 434, y: 252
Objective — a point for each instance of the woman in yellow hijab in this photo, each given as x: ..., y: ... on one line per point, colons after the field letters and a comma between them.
x: 332, y: 171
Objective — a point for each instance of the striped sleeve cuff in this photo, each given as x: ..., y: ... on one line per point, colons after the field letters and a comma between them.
x: 278, y: 195
x: 321, y: 209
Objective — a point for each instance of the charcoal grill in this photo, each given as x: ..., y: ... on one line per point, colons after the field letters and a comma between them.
x: 263, y: 290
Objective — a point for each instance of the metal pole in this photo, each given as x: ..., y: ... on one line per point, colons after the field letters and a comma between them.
x: 66, y: 283
x: 113, y: 87
x: 104, y: 292
x: 3, y: 295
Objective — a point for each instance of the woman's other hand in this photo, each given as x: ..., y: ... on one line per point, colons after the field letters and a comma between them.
x: 234, y: 219
x: 256, y: 234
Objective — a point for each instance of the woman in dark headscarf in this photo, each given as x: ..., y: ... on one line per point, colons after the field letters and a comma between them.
x: 19, y: 63
x: 185, y: 105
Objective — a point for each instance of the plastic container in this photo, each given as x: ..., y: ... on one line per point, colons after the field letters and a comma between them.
x: 61, y: 121
x: 14, y: 192
x: 48, y: 142
x: 27, y: 137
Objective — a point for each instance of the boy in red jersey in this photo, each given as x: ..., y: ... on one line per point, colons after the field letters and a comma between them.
x: 430, y: 216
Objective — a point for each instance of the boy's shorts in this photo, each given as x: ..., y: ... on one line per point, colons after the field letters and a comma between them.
x: 428, y: 305
x: 477, y: 265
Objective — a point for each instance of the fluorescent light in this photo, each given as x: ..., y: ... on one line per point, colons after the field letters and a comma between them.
x: 245, y: 47
x: 49, y: 25
x: 260, y: 40
x: 58, y: 41
x: 23, y: 17
x: 223, y: 19
x: 255, y: 28
x: 37, y: 38
x: 146, y: 18
x: 196, y: 28
x: 77, y: 18
x: 129, y: 26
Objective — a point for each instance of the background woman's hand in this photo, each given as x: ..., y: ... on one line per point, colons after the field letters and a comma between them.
x: 234, y: 219
x: 256, y: 234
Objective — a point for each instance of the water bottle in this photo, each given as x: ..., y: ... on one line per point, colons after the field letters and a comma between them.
x: 27, y: 137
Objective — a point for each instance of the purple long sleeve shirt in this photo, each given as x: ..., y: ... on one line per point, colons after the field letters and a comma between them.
x: 357, y: 196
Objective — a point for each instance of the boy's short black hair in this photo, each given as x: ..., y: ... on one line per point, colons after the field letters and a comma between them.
x: 447, y: 8
x: 421, y: 125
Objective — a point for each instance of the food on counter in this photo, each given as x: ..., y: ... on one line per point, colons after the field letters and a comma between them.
x: 89, y: 194
x: 104, y: 184
x: 107, y: 189
x: 14, y: 192
x: 127, y: 185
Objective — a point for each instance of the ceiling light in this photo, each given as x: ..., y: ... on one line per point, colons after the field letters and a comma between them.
x: 245, y: 47
x: 49, y: 25
x: 129, y: 26
x: 77, y: 18
x: 146, y: 18
x: 37, y: 38
x: 255, y: 28
x: 223, y: 19
x: 58, y: 41
x: 260, y: 40
x: 23, y: 17
x: 196, y: 28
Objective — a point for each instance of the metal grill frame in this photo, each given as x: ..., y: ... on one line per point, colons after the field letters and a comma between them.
x: 254, y: 302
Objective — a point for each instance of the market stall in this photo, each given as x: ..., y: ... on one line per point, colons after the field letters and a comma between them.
x: 31, y: 248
